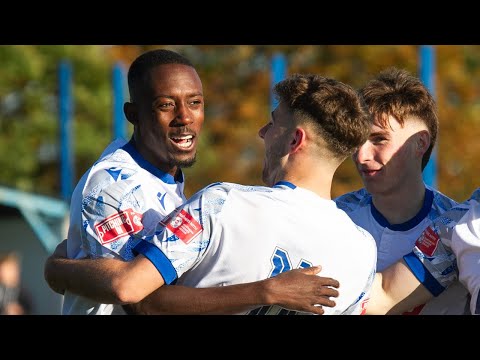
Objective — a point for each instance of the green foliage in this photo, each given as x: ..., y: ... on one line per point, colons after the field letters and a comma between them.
x: 237, y: 92
x: 29, y: 137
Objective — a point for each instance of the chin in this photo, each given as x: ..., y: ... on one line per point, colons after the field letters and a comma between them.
x: 185, y: 162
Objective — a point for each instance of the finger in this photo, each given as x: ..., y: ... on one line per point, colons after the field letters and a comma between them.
x: 316, y: 309
x: 330, y: 292
x: 324, y: 281
x: 325, y: 301
x: 312, y: 270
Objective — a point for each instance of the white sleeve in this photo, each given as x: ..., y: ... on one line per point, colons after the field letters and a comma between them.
x: 110, y: 216
x: 178, y: 242
x: 466, y: 247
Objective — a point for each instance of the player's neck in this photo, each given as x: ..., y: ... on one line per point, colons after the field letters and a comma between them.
x: 402, y: 203
x: 317, y: 180
x: 152, y: 159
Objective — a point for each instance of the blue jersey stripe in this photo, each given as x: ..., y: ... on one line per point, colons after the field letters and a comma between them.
x: 158, y: 258
x: 423, y: 275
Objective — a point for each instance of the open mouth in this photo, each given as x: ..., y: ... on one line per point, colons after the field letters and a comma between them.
x: 183, y: 142
x: 369, y: 173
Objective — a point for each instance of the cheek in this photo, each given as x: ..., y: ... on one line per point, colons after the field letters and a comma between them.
x: 198, y: 119
x: 401, y: 157
x: 387, y: 153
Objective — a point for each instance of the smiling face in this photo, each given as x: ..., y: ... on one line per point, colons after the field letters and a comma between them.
x: 390, y: 158
x: 168, y: 117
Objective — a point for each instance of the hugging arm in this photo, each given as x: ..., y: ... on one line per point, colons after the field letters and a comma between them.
x: 120, y: 282
x: 298, y: 289
x: 105, y: 280
x: 396, y: 290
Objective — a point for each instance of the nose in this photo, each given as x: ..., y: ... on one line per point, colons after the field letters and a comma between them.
x: 364, y: 153
x: 261, y: 131
x: 183, y: 114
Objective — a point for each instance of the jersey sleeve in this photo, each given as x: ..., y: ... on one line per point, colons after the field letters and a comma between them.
x: 466, y: 246
x: 111, y: 214
x: 432, y: 261
x: 178, y: 242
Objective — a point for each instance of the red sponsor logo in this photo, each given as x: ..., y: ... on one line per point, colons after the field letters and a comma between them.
x: 121, y: 224
x: 364, y: 306
x: 183, y: 225
x: 415, y: 311
x: 428, y: 241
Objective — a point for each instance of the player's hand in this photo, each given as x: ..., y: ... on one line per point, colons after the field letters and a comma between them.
x: 303, y: 290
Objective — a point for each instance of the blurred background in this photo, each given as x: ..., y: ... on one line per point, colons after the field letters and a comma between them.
x: 61, y: 105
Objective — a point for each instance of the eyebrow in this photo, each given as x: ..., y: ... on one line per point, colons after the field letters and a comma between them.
x: 172, y: 97
x: 377, y: 133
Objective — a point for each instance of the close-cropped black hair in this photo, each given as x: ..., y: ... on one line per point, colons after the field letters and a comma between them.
x: 142, y: 65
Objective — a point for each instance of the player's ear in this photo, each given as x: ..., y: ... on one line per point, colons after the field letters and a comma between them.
x: 297, y: 140
x: 422, y: 142
x: 131, y: 112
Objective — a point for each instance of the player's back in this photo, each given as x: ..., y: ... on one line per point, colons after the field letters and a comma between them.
x: 259, y: 232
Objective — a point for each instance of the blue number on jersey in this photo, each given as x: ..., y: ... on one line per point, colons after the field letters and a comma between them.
x: 280, y: 263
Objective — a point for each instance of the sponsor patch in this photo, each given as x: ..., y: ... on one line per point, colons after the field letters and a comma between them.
x: 121, y: 224
x: 428, y: 241
x: 415, y: 311
x: 183, y: 225
x: 363, y: 306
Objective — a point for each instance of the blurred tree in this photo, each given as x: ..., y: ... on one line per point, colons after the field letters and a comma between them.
x: 29, y: 138
x: 237, y: 93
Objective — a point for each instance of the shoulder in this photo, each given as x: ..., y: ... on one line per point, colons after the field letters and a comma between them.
x: 112, y: 147
x: 450, y: 218
x: 442, y: 201
x: 228, y: 187
x: 217, y: 194
x: 354, y: 234
x: 475, y: 197
x: 471, y: 211
x: 217, y: 190
x: 113, y: 182
x: 353, y: 200
x: 114, y: 167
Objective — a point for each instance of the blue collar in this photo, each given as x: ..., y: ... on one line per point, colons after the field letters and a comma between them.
x: 410, y: 224
x: 285, y: 183
x: 166, y: 178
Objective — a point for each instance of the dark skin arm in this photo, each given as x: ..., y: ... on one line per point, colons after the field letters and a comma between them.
x: 119, y: 282
x: 298, y: 289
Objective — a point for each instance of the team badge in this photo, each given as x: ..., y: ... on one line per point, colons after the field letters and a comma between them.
x: 428, y: 241
x: 123, y: 223
x: 183, y: 225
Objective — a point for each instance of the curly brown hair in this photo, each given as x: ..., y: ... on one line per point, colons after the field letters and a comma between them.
x: 335, y: 109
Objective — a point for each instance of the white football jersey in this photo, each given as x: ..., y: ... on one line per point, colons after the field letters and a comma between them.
x: 395, y: 241
x: 452, y: 240
x: 106, y: 210
x: 230, y: 234
x: 466, y: 247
